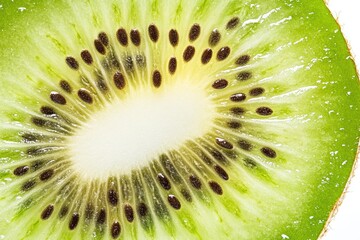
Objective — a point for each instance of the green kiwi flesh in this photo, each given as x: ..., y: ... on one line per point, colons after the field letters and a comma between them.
x: 154, y: 119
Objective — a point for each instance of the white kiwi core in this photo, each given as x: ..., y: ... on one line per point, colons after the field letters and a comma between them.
x: 128, y: 134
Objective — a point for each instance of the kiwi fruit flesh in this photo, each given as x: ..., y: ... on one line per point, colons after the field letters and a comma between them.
x: 173, y: 119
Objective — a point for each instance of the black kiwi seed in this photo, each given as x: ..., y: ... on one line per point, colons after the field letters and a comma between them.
x: 115, y: 230
x: 156, y: 78
x: 153, y: 33
x: 194, y: 32
x: 101, y: 218
x: 173, y: 37
x: 57, y: 98
x: 172, y: 65
x: 256, y: 91
x: 189, y: 53
x: 220, y: 84
x: 86, y: 57
x: 234, y: 125
x: 223, y: 143
x: 85, y: 95
x: 232, y: 23
x: 142, y: 209
x: 206, y: 56
x: 113, y: 197
x: 223, y: 53
x: 216, y: 187
x: 38, y: 121
x: 129, y: 213
x: 268, y: 152
x: 99, y: 46
x: 119, y: 80
x: 74, y: 221
x: 46, y: 175
x: 65, y: 85
x: 264, y: 111
x: 122, y: 37
x: 135, y: 37
x: 245, y: 145
x: 221, y: 172
x: 19, y: 171
x: 103, y: 38
x: 72, y: 63
x: 242, y: 60
x: 63, y: 211
x: 174, y: 202
x: 214, y: 38
x: 238, y: 97
x: 195, y: 182
x: 28, y: 185
x: 46, y: 213
x: 242, y: 76
x: 47, y: 110
x: 164, y: 181
x: 237, y: 110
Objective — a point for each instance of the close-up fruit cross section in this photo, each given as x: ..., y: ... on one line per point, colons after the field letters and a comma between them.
x: 155, y: 119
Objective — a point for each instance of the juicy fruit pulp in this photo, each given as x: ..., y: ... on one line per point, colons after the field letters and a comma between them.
x: 183, y: 119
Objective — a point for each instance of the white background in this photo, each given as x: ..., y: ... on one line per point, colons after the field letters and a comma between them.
x: 346, y: 223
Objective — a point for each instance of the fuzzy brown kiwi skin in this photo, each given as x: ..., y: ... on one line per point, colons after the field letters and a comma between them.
x: 356, y: 164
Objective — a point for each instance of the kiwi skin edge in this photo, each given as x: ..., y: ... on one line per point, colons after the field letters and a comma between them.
x: 356, y: 164
x: 338, y: 204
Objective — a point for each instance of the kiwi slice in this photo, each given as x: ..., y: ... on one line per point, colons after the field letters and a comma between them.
x: 173, y: 119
